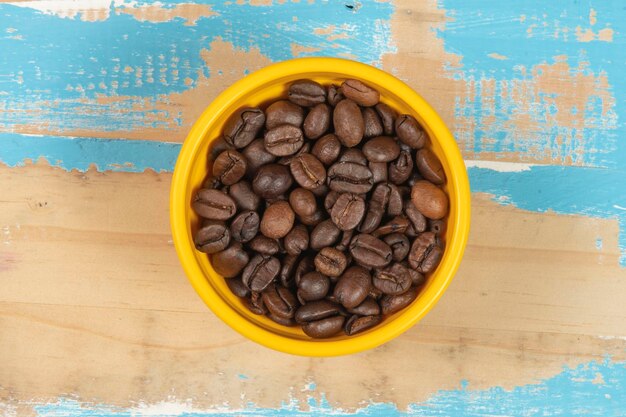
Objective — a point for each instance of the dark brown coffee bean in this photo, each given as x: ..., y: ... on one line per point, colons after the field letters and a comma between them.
x: 303, y: 202
x: 288, y: 270
x: 314, y: 219
x: 308, y: 171
x: 213, y: 204
x: 305, y: 266
x: 313, y: 286
x: 245, y: 226
x: 378, y: 204
x: 281, y: 321
x: 229, y: 167
x: 306, y: 93
x: 243, y: 126
x: 283, y: 140
x: 345, y: 241
x: 410, y: 132
x: 417, y: 219
x: 387, y: 117
x: 334, y: 95
x: 297, y: 240
x: 399, y: 245
x: 264, y: 245
x: 379, y: 171
x: 348, y: 211
x: 236, y: 287
x: 216, y: 147
x: 327, y: 149
x: 271, y: 181
x: 352, y: 287
x: 260, y: 272
x: 317, y: 121
x: 280, y: 301
x: 212, y: 237
x: 277, y: 220
x: 231, y: 261
x: 245, y: 199
x: 400, y: 170
x: 283, y: 112
x: 255, y: 304
x: 429, y: 166
x: 381, y: 149
x: 330, y: 262
x: 330, y: 200
x: 398, y: 224
x: 417, y: 278
x: 436, y: 226
x: 286, y: 160
x: 370, y: 251
x: 320, y: 191
x: 373, y: 125
x: 324, y: 234
x: 256, y: 155
x: 425, y: 253
x: 317, y: 310
x: 353, y: 155
x: 348, y: 123
x: 324, y: 328
x: 369, y: 307
x: 390, y: 304
x: 375, y: 293
x: 356, y: 324
x: 349, y: 177
x: 393, y: 279
x: 360, y: 93
x: 395, y: 205
x: 212, y: 183
x: 429, y: 199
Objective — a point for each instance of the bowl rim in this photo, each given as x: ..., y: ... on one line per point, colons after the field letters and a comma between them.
x: 179, y: 219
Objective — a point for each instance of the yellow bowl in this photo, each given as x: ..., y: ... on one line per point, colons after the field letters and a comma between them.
x: 269, y: 84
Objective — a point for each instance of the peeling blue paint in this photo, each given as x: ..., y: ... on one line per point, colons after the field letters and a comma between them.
x: 592, y: 389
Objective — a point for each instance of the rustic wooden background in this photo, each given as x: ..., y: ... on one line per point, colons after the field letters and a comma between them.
x: 96, y: 316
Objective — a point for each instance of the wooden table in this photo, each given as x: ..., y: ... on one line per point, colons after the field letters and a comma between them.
x: 96, y: 316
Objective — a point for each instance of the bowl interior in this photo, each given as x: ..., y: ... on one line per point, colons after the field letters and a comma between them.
x: 194, y: 166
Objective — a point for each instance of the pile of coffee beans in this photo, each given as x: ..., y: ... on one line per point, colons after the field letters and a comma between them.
x: 323, y: 210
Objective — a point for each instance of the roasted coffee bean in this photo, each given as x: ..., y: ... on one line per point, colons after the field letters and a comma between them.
x: 243, y: 126
x: 288, y: 270
x: 245, y: 199
x: 399, y: 245
x: 410, y: 132
x: 398, y: 224
x: 236, y: 287
x: 306, y: 93
x: 393, y: 279
x: 429, y: 199
x: 387, y: 117
x: 334, y: 95
x: 313, y: 286
x: 327, y: 149
x: 348, y: 123
x: 281, y: 321
x: 381, y: 149
x: 436, y: 226
x: 425, y: 253
x: 218, y: 146
x: 417, y: 278
x: 375, y: 293
x: 245, y: 226
x: 369, y: 251
x: 317, y: 310
x: 373, y: 125
x: 286, y: 160
x: 324, y: 328
x: 212, y: 183
x: 330, y: 262
x: 413, y: 178
x: 212, y: 237
x: 277, y: 220
x: 302, y: 202
x: 353, y: 155
x: 256, y: 155
x: 260, y: 272
x: 344, y: 244
x: 352, y: 287
x: 231, y: 261
x: 271, y: 181
x: 229, y: 167
x: 320, y: 191
x: 313, y: 220
x: 395, y: 205
x: 308, y: 171
x: 369, y: 307
x: 349, y: 177
x: 264, y: 245
x: 305, y: 266
x: 400, y: 170
x: 280, y: 301
x: 330, y: 200
x: 283, y: 112
x: 283, y: 140
x: 214, y: 204
x: 357, y: 324
x: 417, y: 219
x: 379, y: 171
x: 317, y: 121
x: 429, y: 166
x: 255, y: 304
x: 390, y: 304
x: 378, y: 204
x: 360, y: 93
x: 348, y: 211
x: 326, y: 233
x: 297, y: 240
